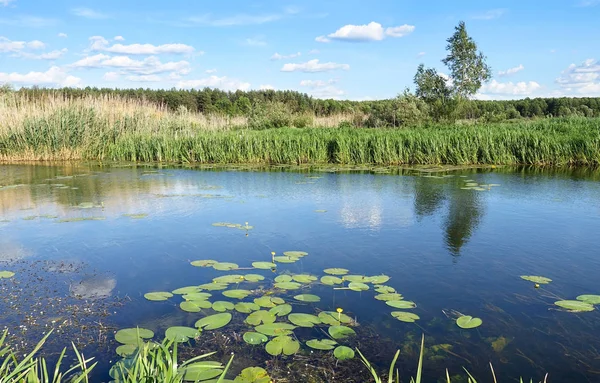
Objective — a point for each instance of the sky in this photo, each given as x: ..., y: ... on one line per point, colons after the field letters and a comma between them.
x: 357, y: 50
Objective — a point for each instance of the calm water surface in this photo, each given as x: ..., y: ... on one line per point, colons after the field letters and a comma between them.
x: 445, y: 248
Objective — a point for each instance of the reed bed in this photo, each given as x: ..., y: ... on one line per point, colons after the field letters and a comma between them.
x: 116, y: 129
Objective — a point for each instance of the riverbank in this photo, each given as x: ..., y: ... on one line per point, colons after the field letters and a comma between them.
x: 109, y: 129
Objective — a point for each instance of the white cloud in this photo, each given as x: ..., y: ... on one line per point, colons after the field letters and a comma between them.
x: 521, y: 88
x: 111, y: 76
x: 224, y: 83
x: 119, y: 38
x: 63, y: 35
x: 209, y: 71
x: 583, y: 79
x: 148, y: 66
x: 144, y: 78
x: 53, y: 76
x: 368, y: 32
x: 99, y: 43
x: 36, y: 44
x: 314, y: 52
x: 88, y: 13
x: 314, y: 66
x: 266, y: 87
x: 7, y: 45
x: 52, y: 55
x: 255, y: 42
x: 490, y: 15
x: 420, y: 54
x: 277, y: 56
x: 29, y: 21
x: 323, y: 89
x: 511, y: 71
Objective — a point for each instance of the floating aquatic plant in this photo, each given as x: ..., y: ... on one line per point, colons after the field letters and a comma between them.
x: 283, y: 344
x: 288, y: 285
x: 281, y: 310
x: 133, y: 336
x: 275, y: 329
x: 268, y: 301
x: 237, y: 294
x: 213, y: 322
x: 246, y: 307
x: 331, y: 280
x: 260, y: 317
x: 401, y: 304
x: 225, y: 266
x: 336, y: 271
x: 358, y: 286
x: 304, y: 278
x: 158, y: 296
x: 304, y: 320
x: 575, y: 306
x: 222, y: 306
x: 204, y: 263
x: 263, y: 265
x: 252, y: 375
x: 321, y: 344
x: 181, y: 334
x: 536, y: 279
x: 343, y: 353
x: 468, y: 322
x: 341, y: 332
x: 307, y: 298
x: 254, y: 338
x: 591, y: 299
x: 404, y: 316
x: 6, y: 274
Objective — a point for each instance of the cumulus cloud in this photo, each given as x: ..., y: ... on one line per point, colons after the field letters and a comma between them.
x: 119, y: 38
x: 144, y: 78
x: 53, y: 76
x: 88, y: 13
x: 63, y: 35
x: 100, y: 44
x: 224, y: 83
x: 148, y: 66
x: 367, y: 32
x: 583, y: 79
x: 314, y: 66
x: 266, y: 87
x: 521, y: 88
x: 255, y: 42
x: 511, y: 71
x: 111, y: 76
x: 7, y: 45
x: 209, y: 71
x: 52, y: 55
x: 490, y: 15
x: 277, y: 56
x: 323, y: 89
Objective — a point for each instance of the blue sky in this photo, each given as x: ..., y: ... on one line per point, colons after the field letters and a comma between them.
x: 340, y: 49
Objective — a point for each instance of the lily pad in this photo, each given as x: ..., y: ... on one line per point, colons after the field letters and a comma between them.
x: 194, y: 306
x: 385, y: 289
x: 343, y: 353
x: 304, y: 320
x: 283, y: 278
x: 237, y: 294
x: 246, y: 307
x: 591, y: 299
x: 341, y: 332
x: 404, y: 316
x: 378, y: 279
x: 307, y: 298
x: 133, y: 335
x: 263, y: 265
x: 275, y: 329
x: 355, y: 278
x: 468, y: 322
x: 333, y: 318
x: 6, y: 274
x: 331, y: 280
x: 320, y: 211
x: 253, y: 277
x: 357, y: 286
x: 336, y: 271
x: 389, y: 297
x: 200, y: 371
x: 304, y: 278
x: 281, y: 310
x: 297, y: 254
x: 158, y: 296
x: 285, y: 259
x: 186, y: 290
x: 575, y: 306
x: 125, y: 350
x: 288, y: 285
x: 253, y: 375
x: 260, y: 317
x: 282, y: 344
x: 181, y: 334
x: 225, y: 266
x: 233, y: 278
x: 254, y: 338
x: 222, y: 306
x: 268, y: 302
x: 536, y: 279
x: 321, y: 344
x: 204, y: 263
x: 214, y: 286
x: 196, y: 296
x: 401, y: 304
x: 213, y: 322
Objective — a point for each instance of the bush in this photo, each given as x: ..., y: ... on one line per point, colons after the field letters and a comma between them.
x: 269, y: 116
x: 302, y: 121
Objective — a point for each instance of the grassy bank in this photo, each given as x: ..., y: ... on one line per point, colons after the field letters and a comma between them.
x: 114, y: 129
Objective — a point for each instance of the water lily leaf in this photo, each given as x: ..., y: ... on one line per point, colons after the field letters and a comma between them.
x: 336, y: 271
x: 389, y: 297
x: 200, y: 371
x: 401, y: 304
x: 253, y: 375
x: 385, y: 289
x: 403, y: 316
x: 125, y: 350
x: 133, y: 335
x: 222, y: 306
x: 213, y: 322
x: 225, y: 266
x: 214, y: 286
x: 194, y: 306
x: 378, y: 279
x: 321, y: 344
x: 304, y: 278
x: 253, y: 277
x: 575, y: 306
x: 204, y: 263
x: 281, y: 310
x: 196, y: 296
x: 275, y: 329
x: 285, y: 259
x: 283, y: 278
x: 282, y: 344
x: 268, y: 301
x: 536, y: 279
x: 260, y: 317
x: 263, y: 265
x: 333, y: 318
x: 246, y: 307
x: 355, y: 278
x: 237, y: 294
x: 591, y: 299
x: 468, y: 322
x: 186, y: 290
x: 158, y: 296
x: 343, y: 353
x: 6, y: 274
x: 330, y: 280
x: 304, y: 320
x: 296, y: 254
x: 288, y: 285
x: 181, y: 334
x: 341, y: 332
x: 307, y: 298
x: 357, y: 286
x: 320, y: 211
x: 233, y: 278
x: 255, y: 338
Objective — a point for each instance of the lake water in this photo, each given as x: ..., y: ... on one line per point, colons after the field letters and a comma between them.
x: 448, y: 248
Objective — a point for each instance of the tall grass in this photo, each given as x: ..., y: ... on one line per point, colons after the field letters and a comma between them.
x: 113, y: 129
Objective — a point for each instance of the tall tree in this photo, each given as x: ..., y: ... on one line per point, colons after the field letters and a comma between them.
x: 467, y: 65
x: 431, y: 86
